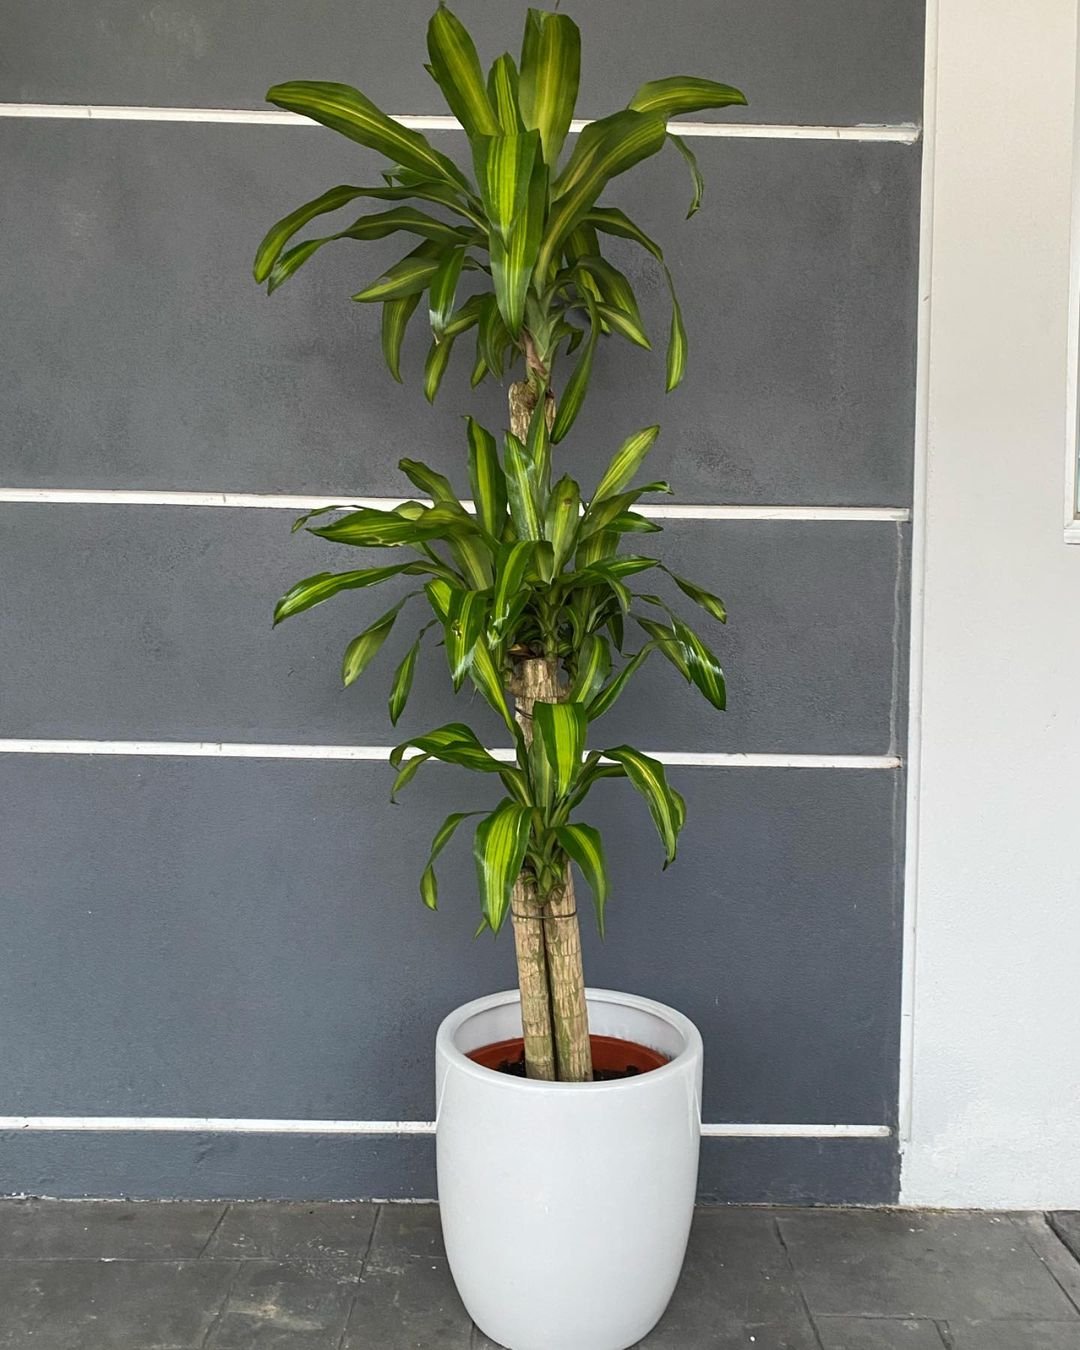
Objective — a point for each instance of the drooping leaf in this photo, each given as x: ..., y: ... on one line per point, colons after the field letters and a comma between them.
x: 408, y: 276
x: 667, y: 643
x: 576, y: 386
x: 428, y: 480
x: 625, y: 325
x: 371, y: 528
x: 347, y: 111
x: 443, y: 290
x: 625, y: 463
x: 455, y: 68
x: 499, y: 849
x: 550, y: 73
x: 696, y: 179
x: 403, y: 679
x: 314, y: 590
x: 563, y: 727
x: 464, y: 627
x: 611, y: 286
x: 280, y: 233
x: 487, y: 479
x: 454, y: 743
x: 429, y: 886
x: 593, y: 666
x: 395, y: 319
x: 712, y: 604
x: 406, y: 773
x: 584, y: 845
x: 684, y: 94
x: 676, y: 354
x: 503, y: 92
x: 704, y: 668
x: 488, y: 680
x: 438, y: 358
x: 610, y: 220
x: 648, y: 777
x: 362, y: 649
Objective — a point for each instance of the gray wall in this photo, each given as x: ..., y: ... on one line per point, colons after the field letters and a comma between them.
x: 242, y: 937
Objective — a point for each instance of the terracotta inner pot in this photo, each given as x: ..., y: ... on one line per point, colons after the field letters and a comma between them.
x: 612, y: 1058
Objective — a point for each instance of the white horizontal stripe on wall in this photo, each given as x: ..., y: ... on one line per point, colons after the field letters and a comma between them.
x: 286, y: 502
x: 242, y: 1125
x: 380, y: 753
x: 904, y: 132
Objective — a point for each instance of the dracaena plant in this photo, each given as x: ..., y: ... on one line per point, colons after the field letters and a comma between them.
x: 533, y: 589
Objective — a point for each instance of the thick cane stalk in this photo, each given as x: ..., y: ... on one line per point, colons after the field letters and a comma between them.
x: 527, y: 916
x: 538, y: 681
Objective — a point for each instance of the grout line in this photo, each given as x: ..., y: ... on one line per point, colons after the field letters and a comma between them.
x: 380, y: 1128
x: 903, y: 133
x: 360, y: 1277
x: 219, y: 1315
x: 381, y: 753
x: 217, y: 1224
x: 300, y: 502
x: 917, y: 600
x: 798, y: 1284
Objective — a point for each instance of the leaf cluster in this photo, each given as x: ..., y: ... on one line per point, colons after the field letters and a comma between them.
x: 526, y: 224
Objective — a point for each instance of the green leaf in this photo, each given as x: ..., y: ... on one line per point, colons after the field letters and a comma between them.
x: 423, y: 476
x: 610, y: 220
x: 487, y: 479
x: 395, y: 319
x: 443, y: 290
x: 403, y: 678
x: 454, y: 743
x: 513, y: 564
x: 704, y: 668
x: 370, y: 528
x: 611, y: 691
x: 624, y: 324
x: 314, y: 590
x: 550, y: 74
x: 523, y: 507
x: 488, y: 680
x: 407, y: 773
x: 584, y: 845
x: 684, y: 94
x: 563, y: 727
x: 676, y: 354
x: 455, y: 67
x: 503, y: 92
x: 604, y: 149
x: 563, y: 518
x: 499, y: 849
x: 593, y: 666
x: 464, y: 628
x: 361, y: 650
x: 711, y: 603
x: 429, y: 887
x: 408, y: 276
x: 697, y: 181
x: 438, y: 358
x: 648, y: 777
x: 279, y: 234
x: 347, y: 111
x: 667, y: 643
x: 513, y: 261
x: 504, y: 165
x: 576, y: 386
x: 625, y: 463
x: 612, y: 287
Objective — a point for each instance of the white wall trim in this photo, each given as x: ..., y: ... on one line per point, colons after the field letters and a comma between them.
x: 918, y: 583
x: 903, y: 132
x: 286, y: 502
x: 380, y: 753
x: 243, y: 1125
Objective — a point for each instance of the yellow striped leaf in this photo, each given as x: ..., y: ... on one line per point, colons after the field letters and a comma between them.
x: 584, y: 845
x: 429, y: 886
x: 499, y: 850
x: 648, y: 777
x: 684, y: 94
x: 562, y: 727
x: 456, y: 69
x: 550, y: 74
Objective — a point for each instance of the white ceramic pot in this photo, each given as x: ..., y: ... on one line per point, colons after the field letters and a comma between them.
x: 566, y: 1206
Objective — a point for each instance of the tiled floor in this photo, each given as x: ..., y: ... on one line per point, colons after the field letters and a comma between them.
x: 117, y: 1276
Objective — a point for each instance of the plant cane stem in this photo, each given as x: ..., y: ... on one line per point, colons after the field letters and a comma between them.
x: 568, y: 1019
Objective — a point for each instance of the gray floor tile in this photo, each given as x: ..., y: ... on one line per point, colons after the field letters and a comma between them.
x: 110, y: 1305
x: 320, y: 1235
x: 878, y: 1333
x: 275, y: 1306
x: 412, y: 1307
x: 108, y: 1229
x: 889, y: 1263
x: 1066, y: 1224
x: 736, y: 1284
x: 1017, y: 1335
x: 1059, y: 1259
x: 406, y: 1233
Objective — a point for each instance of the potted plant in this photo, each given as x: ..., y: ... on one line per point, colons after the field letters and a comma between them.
x: 567, y: 1118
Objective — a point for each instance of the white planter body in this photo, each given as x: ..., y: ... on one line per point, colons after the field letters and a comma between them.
x: 566, y: 1206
